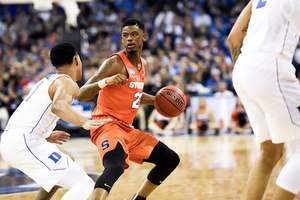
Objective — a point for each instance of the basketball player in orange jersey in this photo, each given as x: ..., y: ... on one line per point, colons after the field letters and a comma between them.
x: 120, y: 80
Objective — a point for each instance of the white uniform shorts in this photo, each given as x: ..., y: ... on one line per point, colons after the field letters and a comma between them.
x: 33, y: 155
x: 270, y: 93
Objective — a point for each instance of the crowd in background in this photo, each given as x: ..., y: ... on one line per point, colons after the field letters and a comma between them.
x: 186, y: 44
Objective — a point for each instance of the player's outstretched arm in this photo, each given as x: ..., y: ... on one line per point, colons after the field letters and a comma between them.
x: 112, y: 71
x: 62, y: 92
x: 238, y: 32
x: 147, y: 99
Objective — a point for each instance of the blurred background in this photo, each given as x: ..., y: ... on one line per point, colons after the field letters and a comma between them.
x: 186, y: 47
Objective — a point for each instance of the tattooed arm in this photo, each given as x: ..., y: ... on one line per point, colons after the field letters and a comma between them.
x: 238, y: 32
x: 113, y: 69
x: 147, y: 99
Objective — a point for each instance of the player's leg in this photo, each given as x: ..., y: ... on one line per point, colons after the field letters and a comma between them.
x: 265, y: 109
x: 146, y: 189
x: 165, y: 160
x: 282, y: 194
x: 113, y: 162
x: 43, y: 194
x: 80, y: 185
x: 270, y: 153
x: 260, y: 173
x: 288, y: 181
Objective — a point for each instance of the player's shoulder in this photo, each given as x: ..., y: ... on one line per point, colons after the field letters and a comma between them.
x: 65, y: 80
x: 114, y: 60
x: 63, y: 83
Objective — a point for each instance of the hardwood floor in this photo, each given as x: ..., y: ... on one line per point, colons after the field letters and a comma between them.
x: 211, y: 167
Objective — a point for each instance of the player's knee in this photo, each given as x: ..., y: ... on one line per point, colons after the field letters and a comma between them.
x: 271, y: 158
x: 109, y: 176
x: 271, y: 153
x: 82, y: 188
x: 163, y: 168
x: 173, y: 160
x: 116, y: 170
x: 164, y: 157
x: 89, y: 183
x: 86, y: 186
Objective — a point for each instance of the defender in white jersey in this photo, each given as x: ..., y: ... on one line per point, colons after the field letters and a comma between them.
x: 26, y: 143
x: 262, y: 43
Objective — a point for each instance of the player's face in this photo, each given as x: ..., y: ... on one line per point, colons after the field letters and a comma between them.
x: 133, y: 38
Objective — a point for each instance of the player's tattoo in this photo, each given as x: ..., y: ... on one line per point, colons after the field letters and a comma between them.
x: 147, y: 99
x: 102, y: 70
x: 108, y: 65
x: 93, y: 89
x: 235, y: 52
x: 88, y: 91
x: 245, y: 29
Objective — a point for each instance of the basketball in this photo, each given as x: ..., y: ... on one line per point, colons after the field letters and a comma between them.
x: 170, y: 101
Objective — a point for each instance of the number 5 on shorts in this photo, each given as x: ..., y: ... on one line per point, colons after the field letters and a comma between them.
x: 105, y: 145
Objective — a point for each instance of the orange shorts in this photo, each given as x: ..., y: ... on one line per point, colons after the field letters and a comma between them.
x: 137, y: 144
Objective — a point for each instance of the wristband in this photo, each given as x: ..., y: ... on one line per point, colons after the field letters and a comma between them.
x: 102, y: 83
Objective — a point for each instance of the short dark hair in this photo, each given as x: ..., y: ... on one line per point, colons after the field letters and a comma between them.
x: 62, y: 53
x: 133, y: 22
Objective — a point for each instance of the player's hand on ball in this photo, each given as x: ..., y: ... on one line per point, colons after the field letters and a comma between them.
x: 58, y: 137
x: 118, y: 79
x: 93, y: 124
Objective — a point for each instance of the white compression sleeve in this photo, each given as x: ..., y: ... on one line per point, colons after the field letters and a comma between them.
x: 80, y: 185
x: 291, y: 9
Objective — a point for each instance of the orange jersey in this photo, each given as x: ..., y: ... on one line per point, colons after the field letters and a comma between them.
x: 122, y: 101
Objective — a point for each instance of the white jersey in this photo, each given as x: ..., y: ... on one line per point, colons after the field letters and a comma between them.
x: 269, y: 30
x: 34, y: 115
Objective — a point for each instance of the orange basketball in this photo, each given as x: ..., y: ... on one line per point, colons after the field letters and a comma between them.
x: 170, y: 101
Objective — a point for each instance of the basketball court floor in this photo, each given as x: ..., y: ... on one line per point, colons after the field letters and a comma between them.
x: 211, y: 167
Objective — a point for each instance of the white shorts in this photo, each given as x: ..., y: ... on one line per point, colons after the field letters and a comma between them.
x: 33, y: 155
x: 270, y: 93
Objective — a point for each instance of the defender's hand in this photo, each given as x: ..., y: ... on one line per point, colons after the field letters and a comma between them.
x: 93, y: 124
x: 58, y: 137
